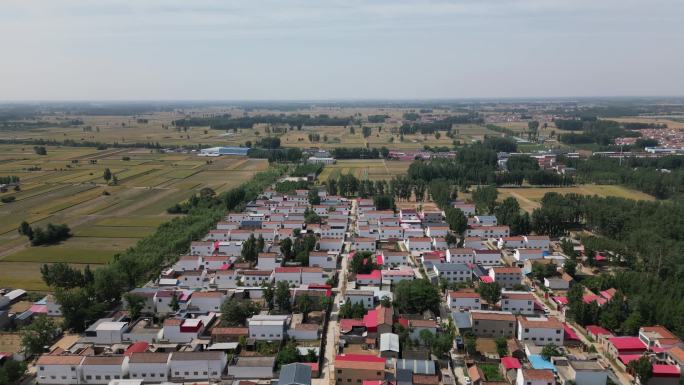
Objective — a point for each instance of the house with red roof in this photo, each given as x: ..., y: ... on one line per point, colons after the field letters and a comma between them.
x: 374, y: 278
x: 357, y: 368
x: 618, y: 346
x: 379, y: 320
x: 598, y: 333
x: 665, y: 375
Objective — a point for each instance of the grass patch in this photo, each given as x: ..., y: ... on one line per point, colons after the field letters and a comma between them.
x: 53, y: 254
x: 115, y: 231
x: 491, y: 372
x: 147, y: 221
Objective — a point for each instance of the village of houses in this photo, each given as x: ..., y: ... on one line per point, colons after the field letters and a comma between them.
x: 180, y: 338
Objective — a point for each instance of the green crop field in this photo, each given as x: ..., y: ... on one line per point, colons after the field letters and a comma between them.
x: 67, y: 186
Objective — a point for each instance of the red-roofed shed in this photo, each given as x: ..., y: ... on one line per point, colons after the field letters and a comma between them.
x: 137, y: 347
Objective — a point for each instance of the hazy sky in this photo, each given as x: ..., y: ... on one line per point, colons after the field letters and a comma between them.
x: 330, y: 49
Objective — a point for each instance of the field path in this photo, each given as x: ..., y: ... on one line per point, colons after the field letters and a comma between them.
x: 526, y: 203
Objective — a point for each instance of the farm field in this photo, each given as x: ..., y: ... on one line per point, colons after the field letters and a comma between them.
x: 67, y: 186
x: 373, y: 169
x: 530, y: 197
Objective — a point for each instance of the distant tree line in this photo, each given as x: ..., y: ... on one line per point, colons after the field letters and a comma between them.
x: 359, y: 153
x: 445, y: 124
x: 227, y: 122
x: 276, y: 155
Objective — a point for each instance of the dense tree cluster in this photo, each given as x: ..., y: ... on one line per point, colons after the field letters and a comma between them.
x: 643, y: 237
x: 276, y: 155
x: 661, y: 177
x: 47, y: 235
x: 10, y: 179
x: 377, y: 118
x: 593, y: 131
x: 416, y: 296
x: 305, y: 169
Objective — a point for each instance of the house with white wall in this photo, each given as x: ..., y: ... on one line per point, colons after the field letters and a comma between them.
x: 323, y: 260
x: 202, y: 248
x: 313, y: 275
x: 437, y: 231
x: 179, y: 330
x: 103, y: 369
x: 395, y: 258
x: 486, y: 257
x: 330, y: 244
x: 268, y: 261
x: 517, y: 302
x: 58, y: 369
x: 522, y: 255
x: 395, y: 276
x: 488, y: 232
x: 188, y: 262
x: 460, y: 255
x: 417, y: 245
x: 225, y: 279
x: 464, y: 299
x: 535, y: 377
x: 474, y: 243
x: 364, y: 297
x: 193, y: 279
x: 149, y: 366
x: 364, y: 244
x: 268, y: 327
x: 255, y: 278
x: 538, y: 242
x: 512, y: 242
x: 291, y: 275
x: 206, y: 301
x: 390, y: 232
x: 189, y: 366
x: 540, y: 330
x: 453, y: 272
x: 507, y: 277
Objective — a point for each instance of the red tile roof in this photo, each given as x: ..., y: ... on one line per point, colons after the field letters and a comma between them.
x: 510, y: 363
x: 665, y: 371
x: 597, y: 330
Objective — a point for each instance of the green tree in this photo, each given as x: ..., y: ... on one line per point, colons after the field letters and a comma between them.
x: 642, y: 368
x: 282, y: 296
x: 288, y: 354
x: 456, y: 220
x: 234, y: 312
x: 25, y: 229
x: 135, y: 304
x: 490, y: 292
x: 40, y: 150
x: 427, y: 338
x: 417, y: 296
x: 314, y: 199
x: 485, y: 199
x: 362, y: 263
x: 304, y: 303
x: 570, y: 267
x: 175, y: 305
x: 385, y: 302
x: 269, y: 293
x: 550, y: 350
x: 501, y: 346
x: 39, y: 335
x: 12, y: 371
x: 286, y: 248
x: 107, y: 175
